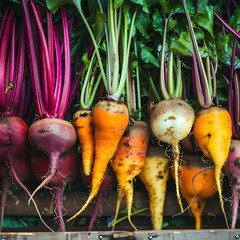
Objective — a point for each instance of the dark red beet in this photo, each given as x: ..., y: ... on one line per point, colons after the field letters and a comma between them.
x: 13, y: 136
x: 53, y: 137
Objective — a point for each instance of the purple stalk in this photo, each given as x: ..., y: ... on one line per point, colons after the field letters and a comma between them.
x: 58, y: 88
x: 67, y: 67
x: 197, y: 82
x: 16, y: 91
x: 51, y: 41
x: 44, y: 50
x: 12, y: 55
x: 227, y: 26
x: 3, y: 59
x: 32, y: 60
x: 3, y: 21
x: 233, y: 94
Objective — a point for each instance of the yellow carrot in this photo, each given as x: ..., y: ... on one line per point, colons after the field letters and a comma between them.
x: 213, y: 131
x: 83, y: 122
x: 154, y: 176
x: 110, y: 120
x: 128, y: 162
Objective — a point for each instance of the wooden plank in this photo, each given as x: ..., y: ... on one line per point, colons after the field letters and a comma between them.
x: 138, y: 235
x: 17, y: 204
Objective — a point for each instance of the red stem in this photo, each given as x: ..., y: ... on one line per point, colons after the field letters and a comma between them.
x: 58, y: 88
x: 44, y: 50
x: 16, y: 91
x: 3, y: 59
x: 32, y: 60
x: 67, y: 67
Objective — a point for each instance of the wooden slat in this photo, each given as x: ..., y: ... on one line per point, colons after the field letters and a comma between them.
x: 17, y: 204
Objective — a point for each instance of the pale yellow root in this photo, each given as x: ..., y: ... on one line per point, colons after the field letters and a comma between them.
x: 219, y: 187
x: 176, y: 154
x: 119, y: 200
x: 90, y: 197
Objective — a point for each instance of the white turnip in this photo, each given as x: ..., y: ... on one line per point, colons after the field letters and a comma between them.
x: 171, y: 121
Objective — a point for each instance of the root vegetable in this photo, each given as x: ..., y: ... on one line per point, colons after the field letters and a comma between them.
x: 232, y: 171
x: 128, y: 162
x: 110, y: 120
x: 171, y: 121
x: 154, y: 176
x: 108, y: 182
x: 67, y: 171
x: 53, y: 137
x: 213, y: 131
x: 196, y: 183
x: 83, y: 122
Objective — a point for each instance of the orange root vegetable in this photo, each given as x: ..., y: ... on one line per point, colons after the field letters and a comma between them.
x: 128, y: 162
x: 83, y: 122
x: 196, y: 183
x: 154, y: 176
x: 171, y: 121
x: 213, y: 131
x: 110, y: 120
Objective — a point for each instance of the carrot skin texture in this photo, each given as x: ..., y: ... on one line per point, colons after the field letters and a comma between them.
x: 196, y: 183
x: 154, y: 176
x: 83, y: 122
x: 128, y: 162
x: 110, y: 120
x: 212, y: 131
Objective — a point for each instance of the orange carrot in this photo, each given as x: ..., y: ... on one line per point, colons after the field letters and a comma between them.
x: 110, y: 120
x: 83, y: 122
x: 128, y: 162
x: 213, y: 131
x: 197, y: 183
x: 154, y: 176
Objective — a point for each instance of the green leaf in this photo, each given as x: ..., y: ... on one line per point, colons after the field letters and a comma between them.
x: 142, y: 23
x: 205, y: 19
x: 53, y: 6
x: 158, y: 22
x: 148, y: 57
x: 183, y: 45
x: 117, y: 3
x: 143, y: 3
x: 99, y: 25
x: 235, y: 19
x: 224, y: 49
